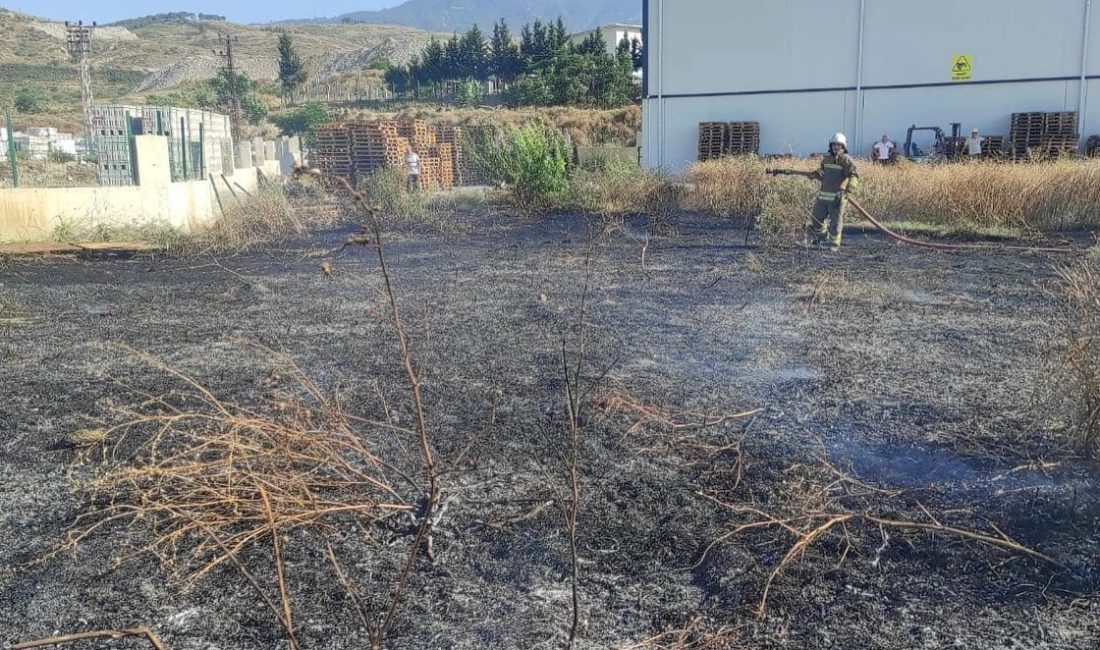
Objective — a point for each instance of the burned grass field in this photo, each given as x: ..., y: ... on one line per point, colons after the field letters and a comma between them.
x: 772, y: 448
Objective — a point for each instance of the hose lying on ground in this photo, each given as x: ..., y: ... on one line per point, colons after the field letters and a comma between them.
x: 950, y: 247
x: 916, y: 242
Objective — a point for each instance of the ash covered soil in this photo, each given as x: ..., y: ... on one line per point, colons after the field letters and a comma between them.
x: 922, y: 377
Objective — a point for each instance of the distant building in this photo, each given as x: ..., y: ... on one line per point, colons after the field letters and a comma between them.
x: 805, y: 69
x: 612, y: 34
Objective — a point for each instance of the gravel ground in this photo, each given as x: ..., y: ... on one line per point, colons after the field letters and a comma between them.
x: 918, y: 373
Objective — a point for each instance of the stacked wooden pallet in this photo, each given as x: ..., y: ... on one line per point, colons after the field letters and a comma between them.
x: 993, y: 146
x: 446, y: 155
x: 742, y: 138
x: 1060, y: 134
x: 332, y: 153
x: 1026, y: 133
x: 349, y: 148
x: 712, y: 140
x: 1092, y: 146
x: 418, y: 132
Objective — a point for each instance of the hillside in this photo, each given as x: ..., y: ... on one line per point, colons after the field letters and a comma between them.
x: 448, y: 15
x: 160, y: 55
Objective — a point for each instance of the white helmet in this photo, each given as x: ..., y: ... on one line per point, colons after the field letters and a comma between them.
x: 840, y: 138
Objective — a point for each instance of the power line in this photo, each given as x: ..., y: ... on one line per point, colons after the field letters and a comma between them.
x: 78, y: 43
x: 232, y: 82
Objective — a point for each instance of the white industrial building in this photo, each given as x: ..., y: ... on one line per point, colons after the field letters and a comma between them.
x: 612, y: 34
x: 805, y: 69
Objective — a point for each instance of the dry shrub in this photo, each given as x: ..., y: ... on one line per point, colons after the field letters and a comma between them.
x: 728, y: 187
x: 612, y: 188
x: 822, y: 507
x: 210, y: 478
x: 785, y: 210
x: 211, y: 483
x: 1080, y: 331
x: 266, y: 216
x: 386, y: 189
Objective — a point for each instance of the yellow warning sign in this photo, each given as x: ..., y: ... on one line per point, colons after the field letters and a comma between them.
x: 962, y: 67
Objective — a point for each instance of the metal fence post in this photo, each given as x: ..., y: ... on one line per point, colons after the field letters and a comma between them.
x: 11, y: 151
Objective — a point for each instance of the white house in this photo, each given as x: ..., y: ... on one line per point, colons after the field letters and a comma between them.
x: 805, y: 69
x: 612, y: 34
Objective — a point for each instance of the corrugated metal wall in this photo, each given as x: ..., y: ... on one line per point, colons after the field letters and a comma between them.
x: 794, y: 66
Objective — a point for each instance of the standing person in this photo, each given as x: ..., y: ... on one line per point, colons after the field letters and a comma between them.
x: 884, y: 150
x: 973, y: 145
x: 412, y: 170
x: 838, y: 177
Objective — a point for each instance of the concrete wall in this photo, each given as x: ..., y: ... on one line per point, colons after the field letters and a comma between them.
x: 30, y: 214
x: 794, y: 66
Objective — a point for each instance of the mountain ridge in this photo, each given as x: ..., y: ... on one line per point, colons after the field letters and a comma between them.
x: 459, y: 15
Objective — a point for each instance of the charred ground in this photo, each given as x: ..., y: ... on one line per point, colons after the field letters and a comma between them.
x: 924, y: 375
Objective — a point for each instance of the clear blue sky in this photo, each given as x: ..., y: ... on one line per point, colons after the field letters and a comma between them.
x: 238, y: 11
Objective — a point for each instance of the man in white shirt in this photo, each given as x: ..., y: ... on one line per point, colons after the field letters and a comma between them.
x: 884, y: 150
x: 974, y: 145
x: 412, y: 170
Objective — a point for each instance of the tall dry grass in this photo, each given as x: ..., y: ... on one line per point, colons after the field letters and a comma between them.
x: 1079, y: 324
x: 981, y: 196
x: 730, y: 187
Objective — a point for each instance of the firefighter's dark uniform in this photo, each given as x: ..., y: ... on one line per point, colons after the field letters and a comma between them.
x: 827, y: 221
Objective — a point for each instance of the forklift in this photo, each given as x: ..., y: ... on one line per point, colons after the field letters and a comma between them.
x: 943, y: 147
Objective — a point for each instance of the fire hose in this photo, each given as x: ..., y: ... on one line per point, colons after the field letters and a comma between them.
x: 925, y: 244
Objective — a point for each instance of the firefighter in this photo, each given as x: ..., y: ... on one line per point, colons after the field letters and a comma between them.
x: 838, y: 177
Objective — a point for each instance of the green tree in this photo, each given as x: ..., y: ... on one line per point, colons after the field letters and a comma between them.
x: 30, y: 100
x: 433, y: 62
x: 247, y: 92
x: 528, y: 90
x: 592, y: 45
x: 469, y: 94
x: 474, y: 55
x: 505, y: 61
x: 399, y: 79
x: 301, y: 120
x: 292, y: 74
x: 558, y: 38
x: 534, y: 44
x: 637, y: 53
x: 452, y: 59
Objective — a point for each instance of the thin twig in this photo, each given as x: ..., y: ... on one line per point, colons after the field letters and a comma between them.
x: 145, y: 632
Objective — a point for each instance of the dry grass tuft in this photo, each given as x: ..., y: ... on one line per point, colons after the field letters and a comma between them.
x: 691, y: 637
x: 212, y: 482
x: 823, y: 504
x: 730, y: 187
x: 88, y: 437
x: 1080, y: 325
x: 265, y: 217
x: 617, y: 189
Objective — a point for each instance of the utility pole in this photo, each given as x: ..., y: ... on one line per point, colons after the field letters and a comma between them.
x: 235, y: 113
x: 78, y: 42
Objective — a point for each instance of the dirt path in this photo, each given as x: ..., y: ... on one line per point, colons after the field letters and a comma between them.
x: 913, y: 370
